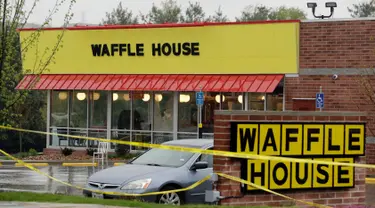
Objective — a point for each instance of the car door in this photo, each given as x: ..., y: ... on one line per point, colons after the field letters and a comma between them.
x: 197, y: 195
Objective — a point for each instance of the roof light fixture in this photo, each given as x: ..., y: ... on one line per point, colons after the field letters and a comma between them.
x: 331, y: 5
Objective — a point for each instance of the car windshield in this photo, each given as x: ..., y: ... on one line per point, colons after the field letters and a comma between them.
x: 162, y: 157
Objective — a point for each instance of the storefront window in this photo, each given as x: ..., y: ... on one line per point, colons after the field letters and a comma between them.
x: 187, y: 112
x: 163, y: 111
x: 275, y: 100
x: 59, y: 117
x: 121, y: 110
x: 78, y: 112
x: 59, y: 108
x: 98, y: 109
x: 211, y: 103
x: 142, y: 117
x: 142, y: 110
x: 232, y: 101
x: 256, y: 101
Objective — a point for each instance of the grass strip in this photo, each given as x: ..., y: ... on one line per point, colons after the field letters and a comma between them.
x: 57, y: 198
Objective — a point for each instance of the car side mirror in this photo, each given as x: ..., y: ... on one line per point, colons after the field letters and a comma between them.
x: 199, y: 165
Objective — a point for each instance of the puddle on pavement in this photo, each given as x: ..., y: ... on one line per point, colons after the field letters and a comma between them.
x: 24, y: 179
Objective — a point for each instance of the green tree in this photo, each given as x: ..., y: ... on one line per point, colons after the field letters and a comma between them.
x: 363, y: 9
x: 261, y: 12
x: 13, y: 16
x: 218, y: 16
x: 194, y: 13
x: 120, y: 16
x: 284, y: 13
x: 168, y: 12
x: 251, y: 13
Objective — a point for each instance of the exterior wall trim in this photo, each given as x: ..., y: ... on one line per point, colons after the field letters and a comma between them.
x: 303, y: 98
x: 340, y: 19
x: 338, y: 71
x: 290, y: 113
x: 166, y: 25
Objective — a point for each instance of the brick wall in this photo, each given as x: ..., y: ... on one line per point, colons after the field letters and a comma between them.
x: 337, y: 44
x: 231, y: 166
x: 344, y: 94
x: 345, y: 46
x: 51, y: 151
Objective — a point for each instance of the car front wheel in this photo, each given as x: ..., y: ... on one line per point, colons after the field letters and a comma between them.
x: 170, y: 198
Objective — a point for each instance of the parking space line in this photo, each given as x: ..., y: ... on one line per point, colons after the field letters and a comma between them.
x: 80, y: 164
x: 33, y: 164
x: 118, y: 164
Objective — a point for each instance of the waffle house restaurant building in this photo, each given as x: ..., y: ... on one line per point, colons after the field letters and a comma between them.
x: 139, y: 82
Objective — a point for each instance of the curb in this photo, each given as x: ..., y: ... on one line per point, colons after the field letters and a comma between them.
x: 45, y: 163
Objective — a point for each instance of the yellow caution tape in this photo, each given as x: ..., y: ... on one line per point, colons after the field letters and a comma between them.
x: 80, y: 164
x: 28, y: 165
x: 33, y: 164
x: 106, y: 192
x: 370, y: 180
x: 267, y: 190
x: 196, y: 150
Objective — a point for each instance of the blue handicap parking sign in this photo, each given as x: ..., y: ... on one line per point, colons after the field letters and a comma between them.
x: 199, y: 97
x: 319, y: 100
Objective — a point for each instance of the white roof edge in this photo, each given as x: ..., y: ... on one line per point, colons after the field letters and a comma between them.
x: 340, y: 19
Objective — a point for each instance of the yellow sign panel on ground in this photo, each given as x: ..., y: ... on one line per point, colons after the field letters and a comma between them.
x: 270, y: 48
x: 332, y: 142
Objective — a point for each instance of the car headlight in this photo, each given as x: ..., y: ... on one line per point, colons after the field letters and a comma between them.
x: 138, y: 184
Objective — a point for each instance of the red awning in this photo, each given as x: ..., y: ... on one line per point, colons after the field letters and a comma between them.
x: 208, y: 83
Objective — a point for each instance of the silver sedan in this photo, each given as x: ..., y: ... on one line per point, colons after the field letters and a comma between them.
x: 159, y: 170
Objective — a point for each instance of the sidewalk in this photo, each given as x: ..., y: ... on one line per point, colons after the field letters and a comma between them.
x: 50, y: 205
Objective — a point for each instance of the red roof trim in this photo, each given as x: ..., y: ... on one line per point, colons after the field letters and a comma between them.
x: 141, y: 82
x: 166, y: 25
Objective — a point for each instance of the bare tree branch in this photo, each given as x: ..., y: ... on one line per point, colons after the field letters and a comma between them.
x: 43, y: 65
x: 14, y: 17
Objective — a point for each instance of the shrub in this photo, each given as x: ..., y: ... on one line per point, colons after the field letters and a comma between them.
x: 131, y: 156
x: 122, y: 150
x: 32, y: 152
x: 66, y: 151
x: 90, y: 151
x: 21, y: 155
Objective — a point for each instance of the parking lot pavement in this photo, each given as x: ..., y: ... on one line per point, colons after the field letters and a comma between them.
x: 50, y: 205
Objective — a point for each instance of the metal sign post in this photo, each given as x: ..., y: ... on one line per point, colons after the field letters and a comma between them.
x: 199, y: 97
x: 319, y: 101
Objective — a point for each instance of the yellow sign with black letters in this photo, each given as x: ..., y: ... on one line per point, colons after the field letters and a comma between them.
x: 230, y: 48
x: 335, y: 142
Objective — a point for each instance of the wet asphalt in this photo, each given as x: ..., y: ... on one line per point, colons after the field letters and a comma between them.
x: 23, y: 179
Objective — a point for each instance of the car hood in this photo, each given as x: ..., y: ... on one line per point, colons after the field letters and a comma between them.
x: 121, y: 174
